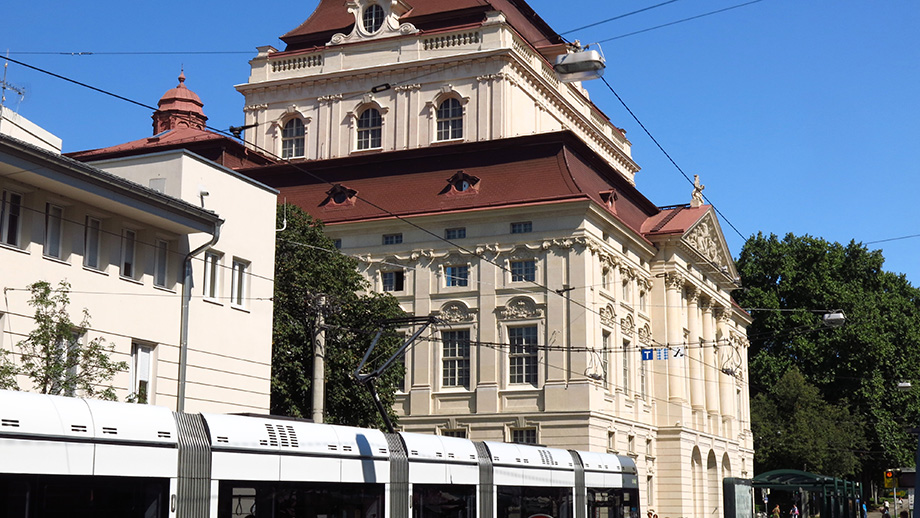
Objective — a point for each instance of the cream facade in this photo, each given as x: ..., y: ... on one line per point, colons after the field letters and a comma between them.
x: 566, y: 323
x: 119, y: 232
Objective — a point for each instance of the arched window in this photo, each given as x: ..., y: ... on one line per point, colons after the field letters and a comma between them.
x: 370, y: 129
x: 373, y: 18
x: 292, y: 139
x: 450, y: 120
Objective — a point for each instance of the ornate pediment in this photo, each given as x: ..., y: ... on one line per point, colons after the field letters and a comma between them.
x: 456, y: 312
x: 520, y: 308
x: 706, y: 239
x: 375, y: 19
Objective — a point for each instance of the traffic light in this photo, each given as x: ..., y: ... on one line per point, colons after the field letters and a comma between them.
x: 891, y: 478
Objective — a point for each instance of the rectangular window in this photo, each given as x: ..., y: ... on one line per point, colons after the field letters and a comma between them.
x: 239, y: 282
x: 524, y: 435
x: 605, y: 344
x: 392, y: 239
x: 211, y: 275
x: 523, y: 355
x: 643, y: 301
x: 393, y: 281
x: 455, y: 233
x: 631, y: 444
x: 457, y: 275
x: 627, y: 367
x: 11, y: 218
x: 128, y: 253
x: 54, y: 229
x: 460, y: 434
x: 162, y: 261
x: 643, y: 379
x: 522, y: 271
x: 92, y: 240
x: 611, y: 441
x: 141, y: 367
x: 456, y: 358
x: 521, y: 227
x: 605, y: 278
x: 626, y: 292
x: 337, y: 243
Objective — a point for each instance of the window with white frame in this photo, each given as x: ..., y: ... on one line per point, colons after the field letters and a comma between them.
x: 627, y: 365
x: 292, y: 139
x: 54, y: 230
x: 161, y: 263
x: 643, y: 301
x: 605, y: 344
x: 524, y: 435
x: 522, y: 358
x: 631, y: 444
x: 211, y: 275
x: 643, y: 378
x: 392, y: 239
x: 455, y: 233
x: 393, y: 281
x: 611, y: 441
x: 605, y: 278
x: 11, y: 218
x: 455, y: 358
x: 523, y: 271
x: 239, y: 284
x: 373, y: 18
x: 370, y: 129
x: 141, y: 372
x: 626, y: 291
x: 128, y: 253
x: 450, y: 120
x: 92, y: 241
x: 521, y: 227
x: 457, y: 275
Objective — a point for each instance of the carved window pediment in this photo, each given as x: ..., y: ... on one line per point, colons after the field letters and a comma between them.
x: 461, y: 183
x: 339, y: 196
x: 456, y: 312
x: 520, y: 308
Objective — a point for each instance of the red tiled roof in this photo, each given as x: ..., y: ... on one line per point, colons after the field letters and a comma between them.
x: 538, y: 169
x: 211, y: 145
x: 674, y: 220
x: 332, y: 16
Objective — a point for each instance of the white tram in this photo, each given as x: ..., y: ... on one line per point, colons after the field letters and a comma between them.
x: 75, y: 458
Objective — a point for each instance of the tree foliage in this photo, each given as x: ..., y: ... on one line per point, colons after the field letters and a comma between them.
x: 55, y: 355
x: 307, y: 265
x: 805, y: 432
x: 789, y: 283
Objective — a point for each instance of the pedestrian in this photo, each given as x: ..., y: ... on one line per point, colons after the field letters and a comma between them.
x: 776, y: 512
x: 794, y: 512
x: 865, y: 512
x: 885, y: 512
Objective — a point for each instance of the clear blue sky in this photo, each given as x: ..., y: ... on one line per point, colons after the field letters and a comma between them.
x: 799, y: 115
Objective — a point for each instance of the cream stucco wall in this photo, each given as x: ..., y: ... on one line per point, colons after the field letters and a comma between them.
x: 229, y: 345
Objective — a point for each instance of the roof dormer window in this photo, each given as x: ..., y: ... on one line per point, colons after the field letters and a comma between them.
x: 339, y: 195
x: 461, y: 183
x: 373, y: 18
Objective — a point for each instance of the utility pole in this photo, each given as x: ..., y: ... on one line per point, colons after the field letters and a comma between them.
x: 319, y: 363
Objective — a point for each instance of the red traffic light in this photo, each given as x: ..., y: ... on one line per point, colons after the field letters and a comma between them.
x: 889, y: 474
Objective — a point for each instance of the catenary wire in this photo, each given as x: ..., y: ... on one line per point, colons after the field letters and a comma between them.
x: 710, y: 13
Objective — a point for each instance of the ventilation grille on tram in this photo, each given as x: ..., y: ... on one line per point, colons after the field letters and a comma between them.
x: 282, y: 435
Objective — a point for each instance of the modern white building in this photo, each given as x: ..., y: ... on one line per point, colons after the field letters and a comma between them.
x: 439, y: 148
x: 121, y: 232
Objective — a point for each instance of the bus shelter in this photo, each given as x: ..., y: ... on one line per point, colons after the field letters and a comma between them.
x: 816, y: 495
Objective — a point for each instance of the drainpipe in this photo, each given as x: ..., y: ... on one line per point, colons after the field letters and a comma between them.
x: 186, y: 297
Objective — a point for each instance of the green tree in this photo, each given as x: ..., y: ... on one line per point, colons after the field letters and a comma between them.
x: 789, y: 283
x: 307, y: 265
x: 55, y: 355
x: 796, y: 429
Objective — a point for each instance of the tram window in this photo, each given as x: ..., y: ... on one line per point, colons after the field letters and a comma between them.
x: 443, y: 501
x: 301, y: 500
x: 526, y: 502
x: 613, y: 503
x: 48, y: 496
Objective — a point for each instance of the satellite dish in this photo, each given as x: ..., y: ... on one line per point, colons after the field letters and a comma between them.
x: 579, y: 65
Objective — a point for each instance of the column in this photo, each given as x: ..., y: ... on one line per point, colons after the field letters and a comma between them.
x: 727, y: 358
x: 695, y: 350
x: 675, y: 334
x: 709, y: 358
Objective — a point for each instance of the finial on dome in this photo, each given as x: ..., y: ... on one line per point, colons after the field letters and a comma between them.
x: 182, y: 75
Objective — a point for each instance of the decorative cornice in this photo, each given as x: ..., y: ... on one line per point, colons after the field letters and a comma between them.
x: 329, y: 98
x: 456, y: 312
x: 255, y: 107
x: 407, y: 88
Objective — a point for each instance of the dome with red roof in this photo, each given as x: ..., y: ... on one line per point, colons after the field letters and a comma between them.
x: 179, y: 108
